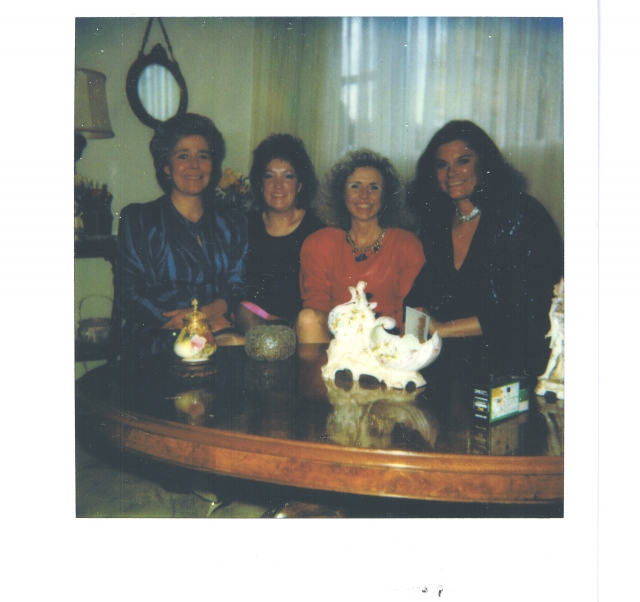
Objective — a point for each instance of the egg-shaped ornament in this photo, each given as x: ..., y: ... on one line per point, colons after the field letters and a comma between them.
x: 195, y: 343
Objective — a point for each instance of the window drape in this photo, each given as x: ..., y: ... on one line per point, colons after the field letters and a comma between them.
x: 389, y: 83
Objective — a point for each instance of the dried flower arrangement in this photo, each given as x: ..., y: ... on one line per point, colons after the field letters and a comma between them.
x: 234, y: 190
x: 92, y: 207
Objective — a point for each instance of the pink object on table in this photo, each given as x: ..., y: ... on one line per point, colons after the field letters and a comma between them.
x: 258, y: 310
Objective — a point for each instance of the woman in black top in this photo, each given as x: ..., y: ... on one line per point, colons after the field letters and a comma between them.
x: 493, y: 255
x: 284, y: 183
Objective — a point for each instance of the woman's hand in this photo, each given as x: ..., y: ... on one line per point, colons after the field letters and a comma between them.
x: 214, y: 312
x: 311, y: 326
x: 434, y: 326
x: 464, y: 327
x: 176, y: 317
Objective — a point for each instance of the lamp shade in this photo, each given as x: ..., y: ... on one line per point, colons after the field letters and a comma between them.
x: 91, y: 113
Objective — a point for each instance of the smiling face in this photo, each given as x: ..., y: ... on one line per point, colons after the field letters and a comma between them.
x: 363, y: 193
x: 456, y: 169
x: 280, y: 185
x: 190, y: 165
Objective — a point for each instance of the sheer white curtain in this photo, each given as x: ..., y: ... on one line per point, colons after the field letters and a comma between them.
x: 389, y: 83
x: 296, y: 84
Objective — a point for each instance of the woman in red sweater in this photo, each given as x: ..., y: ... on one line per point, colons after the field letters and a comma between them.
x: 369, y: 239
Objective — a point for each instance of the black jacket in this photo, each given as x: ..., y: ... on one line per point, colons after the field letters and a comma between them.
x: 506, y: 281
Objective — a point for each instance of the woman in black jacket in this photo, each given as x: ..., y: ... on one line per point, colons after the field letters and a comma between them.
x: 493, y: 255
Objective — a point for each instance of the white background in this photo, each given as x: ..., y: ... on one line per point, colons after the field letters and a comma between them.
x: 588, y: 555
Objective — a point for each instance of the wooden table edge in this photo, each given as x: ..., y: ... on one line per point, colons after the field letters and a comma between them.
x: 394, y: 473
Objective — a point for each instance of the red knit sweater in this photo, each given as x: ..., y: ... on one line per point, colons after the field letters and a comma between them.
x: 328, y: 268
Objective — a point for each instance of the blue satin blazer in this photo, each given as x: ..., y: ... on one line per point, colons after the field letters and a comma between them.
x: 161, y: 267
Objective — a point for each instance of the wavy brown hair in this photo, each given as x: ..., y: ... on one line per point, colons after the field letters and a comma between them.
x: 166, y: 137
x: 331, y: 207
x: 498, y: 182
x: 287, y: 148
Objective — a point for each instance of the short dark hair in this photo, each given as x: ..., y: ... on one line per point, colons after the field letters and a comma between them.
x: 497, y: 183
x: 166, y: 137
x: 291, y: 149
x: 332, y: 207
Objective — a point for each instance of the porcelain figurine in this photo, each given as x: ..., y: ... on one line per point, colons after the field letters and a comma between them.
x: 195, y: 343
x: 553, y: 378
x: 363, y: 346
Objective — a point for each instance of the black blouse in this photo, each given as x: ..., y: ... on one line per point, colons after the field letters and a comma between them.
x: 273, y: 266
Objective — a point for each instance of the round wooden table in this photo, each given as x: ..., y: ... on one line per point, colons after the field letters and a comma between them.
x: 280, y: 422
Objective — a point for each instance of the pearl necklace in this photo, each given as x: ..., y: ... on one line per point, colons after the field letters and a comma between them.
x: 362, y: 251
x: 467, y: 218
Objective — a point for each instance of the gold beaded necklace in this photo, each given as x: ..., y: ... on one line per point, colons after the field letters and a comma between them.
x: 362, y: 251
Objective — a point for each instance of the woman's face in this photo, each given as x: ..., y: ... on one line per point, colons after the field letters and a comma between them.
x: 280, y: 185
x: 456, y: 169
x: 190, y: 165
x: 363, y: 193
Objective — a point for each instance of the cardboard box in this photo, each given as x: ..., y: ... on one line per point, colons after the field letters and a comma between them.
x: 499, y: 400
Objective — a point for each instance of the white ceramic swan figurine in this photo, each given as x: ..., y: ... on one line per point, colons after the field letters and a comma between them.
x: 363, y: 346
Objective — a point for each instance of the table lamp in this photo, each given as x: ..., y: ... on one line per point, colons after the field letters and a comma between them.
x: 91, y: 118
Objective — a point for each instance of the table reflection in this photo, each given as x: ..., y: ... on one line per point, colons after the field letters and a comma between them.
x: 553, y: 412
x: 290, y: 400
x: 378, y: 418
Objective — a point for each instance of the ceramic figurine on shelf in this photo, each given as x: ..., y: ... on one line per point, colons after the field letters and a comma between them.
x: 553, y: 378
x: 195, y: 343
x: 363, y: 346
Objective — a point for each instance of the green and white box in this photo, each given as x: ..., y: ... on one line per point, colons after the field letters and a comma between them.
x: 497, y: 401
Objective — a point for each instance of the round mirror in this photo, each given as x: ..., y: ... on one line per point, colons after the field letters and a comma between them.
x: 155, y: 88
x: 159, y: 92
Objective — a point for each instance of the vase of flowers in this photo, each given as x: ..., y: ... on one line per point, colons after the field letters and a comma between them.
x: 92, y: 205
x: 234, y: 190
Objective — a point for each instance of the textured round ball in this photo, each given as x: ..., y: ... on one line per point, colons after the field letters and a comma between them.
x: 270, y: 343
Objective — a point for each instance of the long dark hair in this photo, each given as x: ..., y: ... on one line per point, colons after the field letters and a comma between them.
x: 287, y: 148
x: 331, y: 207
x: 166, y: 137
x: 498, y: 182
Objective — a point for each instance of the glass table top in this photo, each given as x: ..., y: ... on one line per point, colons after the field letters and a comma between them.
x: 289, y: 400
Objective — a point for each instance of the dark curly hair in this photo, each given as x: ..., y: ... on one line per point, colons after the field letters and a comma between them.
x: 331, y: 207
x: 287, y: 148
x: 166, y: 137
x: 498, y: 182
